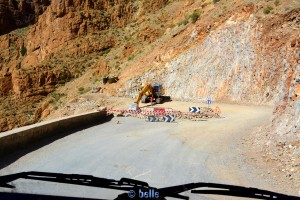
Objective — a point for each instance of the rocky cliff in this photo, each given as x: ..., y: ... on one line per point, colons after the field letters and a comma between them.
x: 18, y: 14
x: 240, y: 61
x: 65, y: 21
x: 66, y: 38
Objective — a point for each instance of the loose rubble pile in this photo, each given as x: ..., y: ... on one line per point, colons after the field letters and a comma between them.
x: 280, y: 152
x: 145, y: 113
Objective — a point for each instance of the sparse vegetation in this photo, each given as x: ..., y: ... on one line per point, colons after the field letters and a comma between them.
x: 195, y: 16
x: 131, y: 57
x: 277, y: 2
x: 216, y: 1
x: 267, y: 9
x: 184, y: 22
x: 117, y: 67
x: 21, y: 31
x: 57, y: 96
x: 23, y: 50
x: 80, y: 89
x: 172, y: 25
x: 83, y: 90
x: 5, y: 105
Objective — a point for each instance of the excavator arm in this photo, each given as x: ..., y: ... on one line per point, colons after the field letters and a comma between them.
x: 156, y: 91
x: 147, y: 88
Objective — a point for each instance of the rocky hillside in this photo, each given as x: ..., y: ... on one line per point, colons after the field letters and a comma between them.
x: 240, y: 61
x: 69, y: 38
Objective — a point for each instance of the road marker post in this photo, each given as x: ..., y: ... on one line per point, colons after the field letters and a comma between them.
x: 209, y: 101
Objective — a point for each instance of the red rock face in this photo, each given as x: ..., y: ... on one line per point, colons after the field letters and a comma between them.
x: 27, y: 73
x: 36, y: 82
x: 18, y: 14
x: 62, y: 22
x: 70, y: 19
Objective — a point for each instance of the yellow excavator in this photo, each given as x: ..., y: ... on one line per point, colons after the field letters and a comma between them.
x: 151, y: 94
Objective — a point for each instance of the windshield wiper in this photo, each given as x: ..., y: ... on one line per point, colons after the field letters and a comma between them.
x: 76, y: 179
x: 126, y: 184
x: 226, y: 190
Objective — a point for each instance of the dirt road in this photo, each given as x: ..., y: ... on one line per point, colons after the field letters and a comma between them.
x: 162, y: 154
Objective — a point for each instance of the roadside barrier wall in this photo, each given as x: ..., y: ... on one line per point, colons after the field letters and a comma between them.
x: 16, y: 139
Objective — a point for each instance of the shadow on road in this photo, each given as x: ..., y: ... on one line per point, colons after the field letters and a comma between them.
x: 8, y: 159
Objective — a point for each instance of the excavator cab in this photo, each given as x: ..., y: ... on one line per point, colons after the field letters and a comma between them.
x: 158, y: 90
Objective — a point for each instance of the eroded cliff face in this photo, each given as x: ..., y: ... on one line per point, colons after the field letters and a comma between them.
x: 55, y: 35
x: 69, y: 37
x: 18, y: 14
x: 67, y: 20
x: 240, y: 61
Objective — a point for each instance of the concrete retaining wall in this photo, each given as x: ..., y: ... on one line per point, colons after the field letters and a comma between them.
x: 14, y: 140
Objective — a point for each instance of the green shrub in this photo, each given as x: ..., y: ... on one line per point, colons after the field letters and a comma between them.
x: 83, y: 90
x: 57, y: 96
x: 194, y: 17
x: 268, y: 9
x: 131, y: 57
x: 277, y: 2
x: 185, y: 22
x: 23, y: 50
x: 216, y: 1
x: 5, y: 105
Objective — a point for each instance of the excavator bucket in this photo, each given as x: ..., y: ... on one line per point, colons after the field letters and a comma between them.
x: 134, y: 106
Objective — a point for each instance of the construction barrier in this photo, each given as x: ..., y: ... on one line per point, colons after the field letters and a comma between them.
x: 162, y: 112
